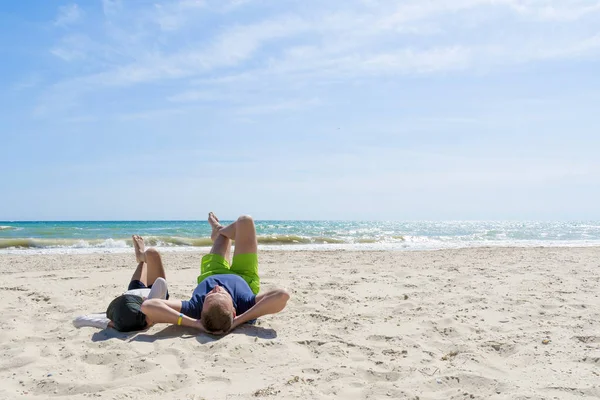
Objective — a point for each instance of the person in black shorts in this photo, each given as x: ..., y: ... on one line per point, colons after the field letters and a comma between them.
x: 125, y: 312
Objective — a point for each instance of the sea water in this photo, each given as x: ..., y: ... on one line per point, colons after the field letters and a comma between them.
x: 115, y: 236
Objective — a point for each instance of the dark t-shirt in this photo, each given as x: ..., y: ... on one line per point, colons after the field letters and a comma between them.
x: 243, y: 298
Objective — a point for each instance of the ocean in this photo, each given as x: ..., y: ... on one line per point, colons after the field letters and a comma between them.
x: 45, y: 237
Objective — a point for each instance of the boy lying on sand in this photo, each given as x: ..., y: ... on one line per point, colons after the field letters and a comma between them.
x: 226, y: 295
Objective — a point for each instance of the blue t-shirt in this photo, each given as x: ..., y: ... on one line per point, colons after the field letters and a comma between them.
x: 243, y: 298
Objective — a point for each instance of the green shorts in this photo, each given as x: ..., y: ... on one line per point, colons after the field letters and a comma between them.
x: 244, y: 265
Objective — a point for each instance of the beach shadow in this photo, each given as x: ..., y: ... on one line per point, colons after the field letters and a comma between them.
x: 248, y: 330
x: 255, y: 331
x: 174, y: 331
x: 110, y: 333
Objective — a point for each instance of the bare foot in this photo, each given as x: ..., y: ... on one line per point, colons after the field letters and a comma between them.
x: 215, y: 225
x: 140, y: 248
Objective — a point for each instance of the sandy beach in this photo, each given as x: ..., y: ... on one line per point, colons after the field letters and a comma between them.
x: 486, y: 323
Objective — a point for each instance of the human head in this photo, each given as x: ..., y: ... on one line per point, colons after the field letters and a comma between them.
x: 125, y: 312
x: 218, y: 311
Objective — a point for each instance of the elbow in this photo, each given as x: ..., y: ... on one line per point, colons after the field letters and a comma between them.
x: 147, y: 306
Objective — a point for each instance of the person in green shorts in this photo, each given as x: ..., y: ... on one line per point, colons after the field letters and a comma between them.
x: 227, y: 295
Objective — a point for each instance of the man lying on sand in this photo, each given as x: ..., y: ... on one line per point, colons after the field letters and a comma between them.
x: 226, y: 295
x: 148, y: 281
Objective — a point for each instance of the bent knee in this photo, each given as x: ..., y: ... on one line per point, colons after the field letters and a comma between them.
x: 151, y: 252
x: 245, y: 219
x: 283, y: 294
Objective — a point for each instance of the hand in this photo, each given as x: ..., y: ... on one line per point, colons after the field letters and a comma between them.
x: 198, y: 325
x: 221, y: 333
x: 236, y: 322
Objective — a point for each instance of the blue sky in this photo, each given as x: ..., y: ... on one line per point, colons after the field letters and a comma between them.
x: 353, y: 109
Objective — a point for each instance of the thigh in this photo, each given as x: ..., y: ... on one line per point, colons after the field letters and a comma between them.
x: 221, y: 246
x: 245, y: 237
x: 213, y: 264
x: 246, y: 266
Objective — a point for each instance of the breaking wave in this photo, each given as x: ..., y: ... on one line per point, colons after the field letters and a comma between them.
x: 174, y: 241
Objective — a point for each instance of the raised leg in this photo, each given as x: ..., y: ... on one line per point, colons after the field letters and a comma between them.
x: 141, y: 273
x: 221, y: 244
x: 245, y: 236
x: 155, y: 266
x: 150, y: 265
x: 243, y: 232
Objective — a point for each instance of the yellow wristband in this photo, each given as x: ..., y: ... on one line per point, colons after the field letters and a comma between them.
x: 180, y: 318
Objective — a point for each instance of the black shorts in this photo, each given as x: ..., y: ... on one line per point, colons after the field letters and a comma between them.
x: 135, y: 284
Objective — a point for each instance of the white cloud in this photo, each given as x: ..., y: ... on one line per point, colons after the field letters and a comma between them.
x: 111, y: 7
x: 174, y: 15
x: 358, y: 39
x: 188, y: 4
x: 568, y: 10
x: 28, y: 82
x: 204, y: 95
x: 67, y: 54
x: 68, y: 15
x: 230, y: 48
x: 564, y: 10
x: 413, y: 61
x: 151, y: 114
x: 241, y: 42
x: 270, y: 108
x: 167, y: 21
x: 581, y: 48
x: 236, y: 3
x: 72, y: 48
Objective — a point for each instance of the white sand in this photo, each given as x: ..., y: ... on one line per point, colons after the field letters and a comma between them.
x: 453, y: 324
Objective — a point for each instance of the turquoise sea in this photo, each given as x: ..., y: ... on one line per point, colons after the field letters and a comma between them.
x: 115, y: 236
